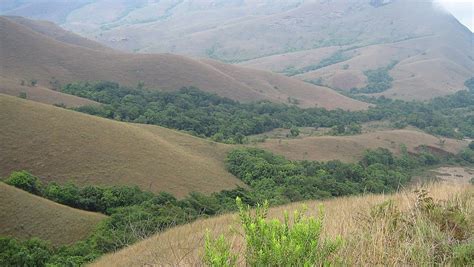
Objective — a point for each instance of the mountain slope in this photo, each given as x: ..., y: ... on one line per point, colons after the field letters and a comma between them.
x: 23, y: 216
x: 351, y: 148
x: 62, y: 145
x: 28, y: 54
x: 434, y: 51
x: 183, y: 245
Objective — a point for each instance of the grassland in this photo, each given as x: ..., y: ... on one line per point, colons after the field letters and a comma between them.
x: 62, y: 145
x: 32, y: 52
x: 23, y: 216
x: 41, y: 94
x: 183, y: 245
x: 434, y: 50
x: 351, y: 148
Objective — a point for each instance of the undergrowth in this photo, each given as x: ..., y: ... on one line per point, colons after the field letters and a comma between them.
x: 428, y: 233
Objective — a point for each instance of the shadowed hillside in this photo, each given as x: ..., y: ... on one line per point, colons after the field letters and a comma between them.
x: 61, y: 145
x: 28, y: 53
x: 23, y: 216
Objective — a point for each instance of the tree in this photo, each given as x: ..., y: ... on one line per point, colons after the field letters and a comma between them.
x: 25, y: 181
x: 471, y: 145
x: 294, y: 132
x: 22, y: 95
x: 470, y: 84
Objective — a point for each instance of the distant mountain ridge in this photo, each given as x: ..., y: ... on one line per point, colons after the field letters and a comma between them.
x: 42, y: 52
x: 332, y: 43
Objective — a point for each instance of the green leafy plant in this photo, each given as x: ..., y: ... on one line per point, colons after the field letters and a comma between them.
x: 25, y: 181
x: 295, y: 242
x: 218, y: 252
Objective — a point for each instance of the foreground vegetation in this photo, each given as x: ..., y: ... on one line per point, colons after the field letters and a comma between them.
x: 274, y: 243
x: 367, y: 237
x: 428, y: 232
x: 225, y: 120
x: 135, y: 214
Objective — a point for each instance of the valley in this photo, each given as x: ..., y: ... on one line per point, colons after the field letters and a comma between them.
x: 235, y: 133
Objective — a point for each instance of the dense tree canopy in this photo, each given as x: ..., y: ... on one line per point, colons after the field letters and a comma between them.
x: 224, y: 120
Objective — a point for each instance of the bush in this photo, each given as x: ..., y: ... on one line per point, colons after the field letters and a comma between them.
x: 25, y: 181
x: 22, y: 95
x: 33, y: 252
x: 426, y: 233
x: 294, y: 132
x: 276, y: 243
x: 218, y: 252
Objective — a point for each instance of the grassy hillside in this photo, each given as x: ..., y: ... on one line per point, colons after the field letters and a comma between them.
x: 433, y: 49
x: 61, y: 145
x: 183, y: 245
x: 41, y: 94
x: 351, y: 148
x: 32, y: 52
x: 23, y: 216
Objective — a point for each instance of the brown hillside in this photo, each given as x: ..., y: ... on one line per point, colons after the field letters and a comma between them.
x: 62, y: 145
x: 28, y: 54
x: 41, y: 94
x: 23, y: 216
x: 183, y: 245
x: 435, y: 51
x: 351, y: 148
x: 52, y: 30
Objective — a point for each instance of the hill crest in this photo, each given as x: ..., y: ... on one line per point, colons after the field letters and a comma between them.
x: 27, y: 54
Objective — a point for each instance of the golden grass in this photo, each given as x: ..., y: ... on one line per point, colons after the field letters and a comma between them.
x: 23, y: 216
x: 62, y: 145
x: 183, y: 245
x: 42, y: 94
x: 28, y: 53
x: 351, y: 148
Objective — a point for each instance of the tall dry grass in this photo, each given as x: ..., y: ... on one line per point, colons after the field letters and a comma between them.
x: 365, y: 243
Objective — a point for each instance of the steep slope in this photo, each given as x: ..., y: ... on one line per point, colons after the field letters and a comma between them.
x: 183, y: 245
x: 62, y: 145
x: 435, y: 52
x: 23, y: 215
x: 59, y: 34
x: 351, y: 148
x: 27, y: 54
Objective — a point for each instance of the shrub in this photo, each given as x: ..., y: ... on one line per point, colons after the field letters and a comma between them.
x: 294, y: 132
x: 25, y: 181
x: 469, y: 83
x: 218, y: 252
x: 427, y: 233
x: 276, y: 243
x: 33, y: 252
x: 22, y: 95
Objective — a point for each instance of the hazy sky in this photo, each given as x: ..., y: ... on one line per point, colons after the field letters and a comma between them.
x: 463, y: 10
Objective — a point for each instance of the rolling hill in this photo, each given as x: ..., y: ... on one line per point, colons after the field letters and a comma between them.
x: 42, y: 52
x: 23, y: 216
x: 351, y: 148
x: 326, y: 42
x: 62, y: 145
x: 183, y: 245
